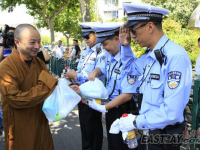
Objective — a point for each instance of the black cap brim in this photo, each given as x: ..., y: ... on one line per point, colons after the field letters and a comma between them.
x: 100, y: 40
x: 85, y: 33
x: 131, y: 23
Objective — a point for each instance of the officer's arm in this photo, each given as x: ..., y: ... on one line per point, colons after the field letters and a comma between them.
x: 127, y: 58
x: 95, y: 74
x: 122, y: 98
x: 177, y: 86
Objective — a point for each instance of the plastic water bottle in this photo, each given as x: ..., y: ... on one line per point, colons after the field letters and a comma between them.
x: 67, y: 69
x: 75, y: 80
x: 62, y: 75
x: 131, y: 139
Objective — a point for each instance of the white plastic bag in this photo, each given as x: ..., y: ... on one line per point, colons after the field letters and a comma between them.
x: 68, y: 99
x: 93, y: 89
x: 61, y: 102
x: 50, y: 106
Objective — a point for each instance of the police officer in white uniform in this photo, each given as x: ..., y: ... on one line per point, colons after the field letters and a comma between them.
x: 121, y: 84
x: 90, y: 120
x: 166, y: 80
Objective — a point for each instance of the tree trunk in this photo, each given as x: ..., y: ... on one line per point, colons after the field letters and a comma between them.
x: 67, y: 40
x: 52, y: 32
x: 85, y: 10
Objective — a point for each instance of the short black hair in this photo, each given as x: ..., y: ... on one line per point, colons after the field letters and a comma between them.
x: 198, y: 39
x: 158, y: 25
x: 76, y: 41
x: 112, y: 36
x: 59, y: 41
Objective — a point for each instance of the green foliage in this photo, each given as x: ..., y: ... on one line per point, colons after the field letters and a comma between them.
x: 180, y: 10
x: 124, y: 19
x: 187, y: 38
x: 67, y: 21
x: 46, y: 40
x: 94, y: 11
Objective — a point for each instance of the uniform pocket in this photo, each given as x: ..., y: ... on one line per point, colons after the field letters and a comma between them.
x: 156, y: 92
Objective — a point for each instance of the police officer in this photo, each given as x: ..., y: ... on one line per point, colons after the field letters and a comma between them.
x: 90, y: 120
x: 166, y: 80
x: 120, y: 84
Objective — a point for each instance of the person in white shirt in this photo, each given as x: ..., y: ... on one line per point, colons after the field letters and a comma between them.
x: 73, y: 54
x: 58, y: 50
x: 197, y: 67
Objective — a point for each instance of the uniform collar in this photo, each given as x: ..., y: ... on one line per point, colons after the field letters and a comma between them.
x: 94, y: 47
x: 160, y: 43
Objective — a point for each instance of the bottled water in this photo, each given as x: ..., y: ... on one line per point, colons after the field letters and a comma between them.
x: 131, y: 139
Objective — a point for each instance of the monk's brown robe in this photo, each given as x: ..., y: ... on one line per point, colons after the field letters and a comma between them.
x: 23, y: 91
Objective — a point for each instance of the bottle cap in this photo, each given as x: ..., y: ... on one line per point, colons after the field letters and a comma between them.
x: 125, y: 115
x: 67, y: 67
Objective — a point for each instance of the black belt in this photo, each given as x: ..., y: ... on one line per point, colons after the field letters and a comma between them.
x: 170, y: 129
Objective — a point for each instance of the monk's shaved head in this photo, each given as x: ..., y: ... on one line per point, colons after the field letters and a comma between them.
x: 20, y: 28
x: 27, y: 41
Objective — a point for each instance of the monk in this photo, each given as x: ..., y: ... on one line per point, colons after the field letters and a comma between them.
x: 24, y: 84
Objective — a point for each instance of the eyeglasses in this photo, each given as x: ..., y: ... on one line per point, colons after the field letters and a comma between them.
x: 133, y: 31
x: 87, y: 37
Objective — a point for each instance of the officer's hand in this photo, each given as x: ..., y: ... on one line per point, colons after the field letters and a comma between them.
x: 75, y: 88
x: 124, y: 36
x: 92, y: 75
x: 126, y: 123
x: 94, y: 105
x: 70, y: 75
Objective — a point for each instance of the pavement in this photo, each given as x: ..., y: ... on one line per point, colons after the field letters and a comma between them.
x: 67, y: 134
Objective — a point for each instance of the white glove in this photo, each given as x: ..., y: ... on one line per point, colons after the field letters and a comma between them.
x: 94, y: 105
x: 114, y: 129
x: 126, y: 123
x: 124, y: 135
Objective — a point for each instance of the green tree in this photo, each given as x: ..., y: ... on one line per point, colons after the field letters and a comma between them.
x: 67, y: 21
x: 45, y: 10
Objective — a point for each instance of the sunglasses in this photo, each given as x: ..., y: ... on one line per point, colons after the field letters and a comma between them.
x: 133, y: 31
x: 87, y: 37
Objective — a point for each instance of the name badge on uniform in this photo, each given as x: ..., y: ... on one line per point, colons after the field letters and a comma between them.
x: 117, y: 71
x: 131, y: 79
x: 92, y: 59
x: 155, y: 76
x: 174, y: 78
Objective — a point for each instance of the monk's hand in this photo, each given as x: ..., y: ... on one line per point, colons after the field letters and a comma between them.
x: 75, y: 88
x: 124, y: 35
x: 57, y: 77
x: 70, y: 75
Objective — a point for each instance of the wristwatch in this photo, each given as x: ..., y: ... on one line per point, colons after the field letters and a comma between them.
x: 134, y: 122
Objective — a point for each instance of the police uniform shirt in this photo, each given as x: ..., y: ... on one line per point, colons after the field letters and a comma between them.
x: 126, y: 82
x: 88, y: 61
x: 173, y: 81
